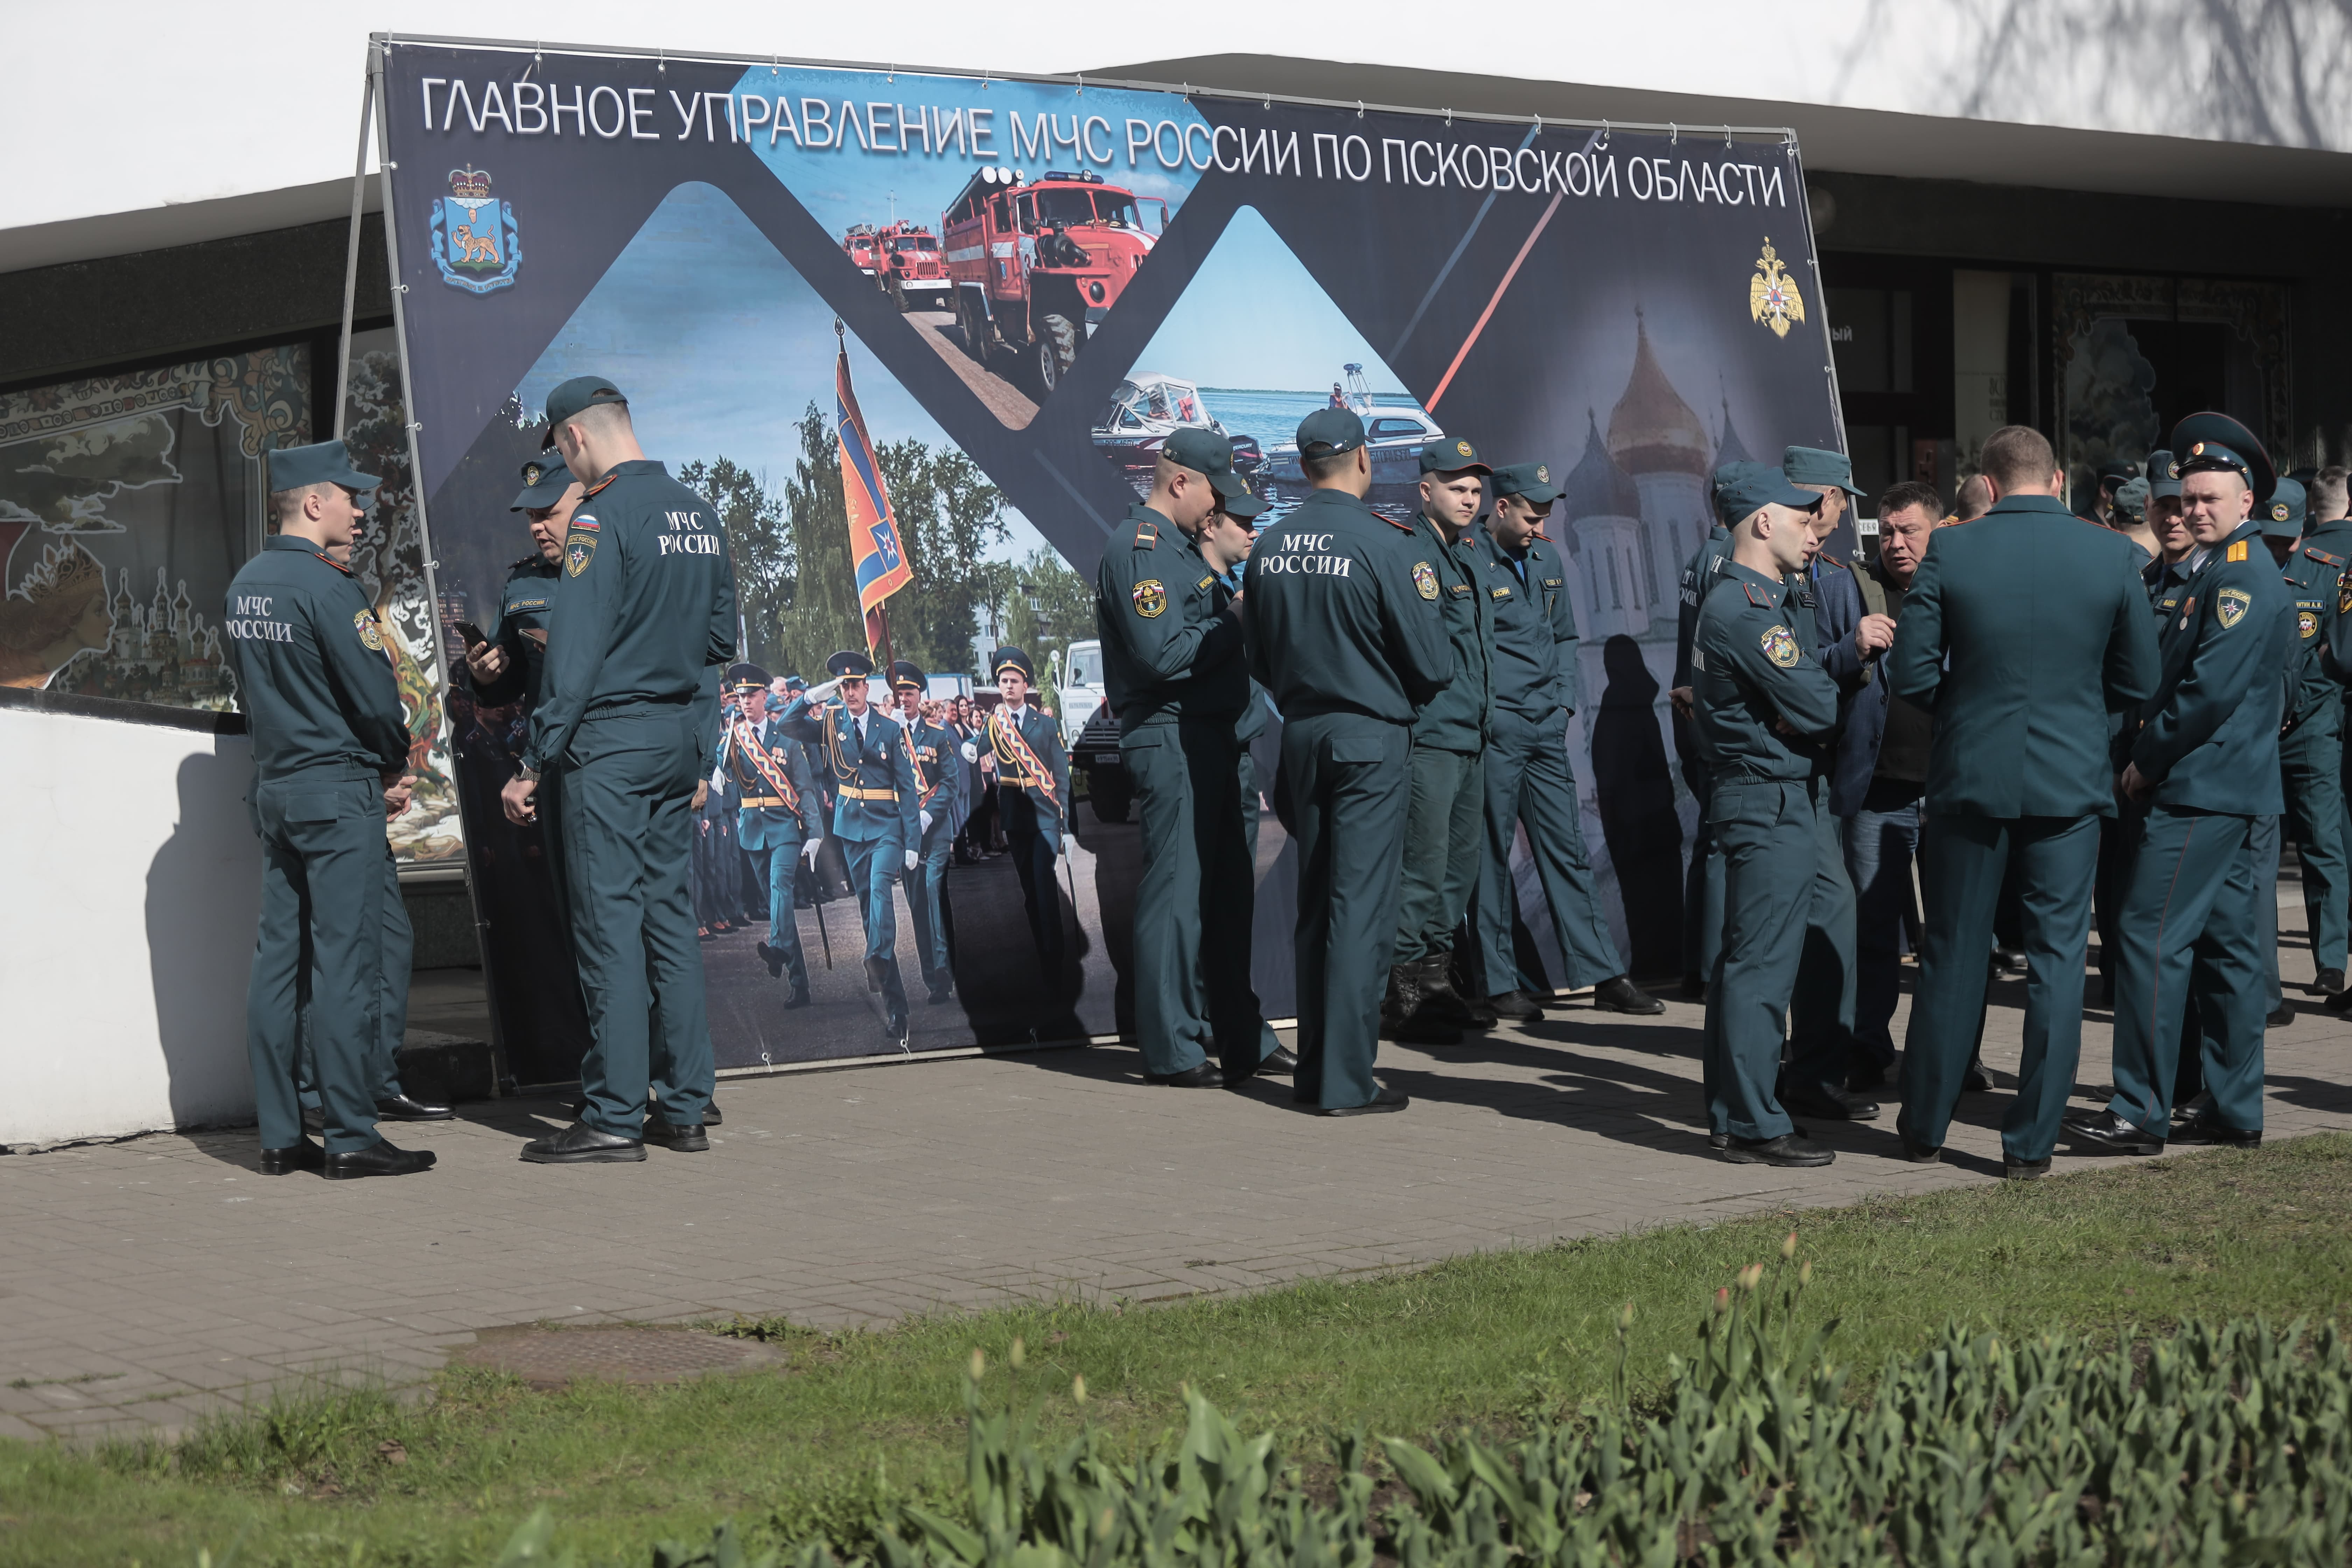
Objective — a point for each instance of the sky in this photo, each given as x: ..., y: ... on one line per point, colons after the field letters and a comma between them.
x: 1253, y: 317
x: 721, y: 346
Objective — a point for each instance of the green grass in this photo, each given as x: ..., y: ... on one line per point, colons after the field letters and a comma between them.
x: 857, y: 1422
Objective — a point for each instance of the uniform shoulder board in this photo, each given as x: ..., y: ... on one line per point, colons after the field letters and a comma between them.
x: 534, y: 559
x: 1205, y: 582
x: 2322, y: 556
x: 2236, y: 551
x: 1756, y: 596
x: 1400, y: 527
x: 1147, y: 535
x: 1542, y: 535
x: 1833, y: 561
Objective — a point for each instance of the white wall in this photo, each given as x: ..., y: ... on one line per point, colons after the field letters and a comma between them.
x: 174, y: 107
x: 133, y: 885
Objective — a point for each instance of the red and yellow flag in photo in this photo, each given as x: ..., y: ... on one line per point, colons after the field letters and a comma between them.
x: 876, y: 552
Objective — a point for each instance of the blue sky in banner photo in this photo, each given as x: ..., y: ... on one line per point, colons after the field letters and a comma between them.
x: 841, y: 186
x: 720, y: 345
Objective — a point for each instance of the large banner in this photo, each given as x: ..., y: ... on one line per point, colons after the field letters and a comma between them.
x: 1029, y: 285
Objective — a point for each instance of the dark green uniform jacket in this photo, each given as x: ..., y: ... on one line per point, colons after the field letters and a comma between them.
x: 2314, y: 577
x: 1456, y: 719
x: 871, y: 765
x: 2209, y: 738
x: 1336, y: 621
x: 1698, y: 577
x: 646, y: 607
x: 524, y: 608
x: 1748, y: 671
x: 313, y: 675
x: 2043, y: 621
x: 1535, y: 624
x: 1169, y: 650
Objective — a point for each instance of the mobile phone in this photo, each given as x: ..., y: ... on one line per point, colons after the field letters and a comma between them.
x: 472, y: 634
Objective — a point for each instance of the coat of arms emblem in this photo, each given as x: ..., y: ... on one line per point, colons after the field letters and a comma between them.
x: 1425, y: 581
x: 474, y: 238
x: 2307, y: 625
x: 1781, y: 647
x: 1151, y: 597
x: 1772, y: 297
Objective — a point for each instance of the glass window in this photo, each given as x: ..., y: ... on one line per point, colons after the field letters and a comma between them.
x: 1116, y: 208
x: 1063, y: 204
x: 127, y: 502
x: 1084, y: 658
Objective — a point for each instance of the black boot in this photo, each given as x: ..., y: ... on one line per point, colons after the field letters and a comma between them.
x: 1439, y: 999
x: 1416, y: 1023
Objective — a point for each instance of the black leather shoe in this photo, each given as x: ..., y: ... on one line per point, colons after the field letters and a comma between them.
x: 378, y: 1159
x: 799, y: 998
x: 1206, y: 1075
x: 2205, y: 1130
x: 2280, y: 1019
x: 1482, y: 1013
x: 1975, y: 1080
x: 2025, y: 1170
x: 1788, y: 1150
x: 893, y: 1027
x: 303, y: 1156
x: 1518, y: 1006
x: 404, y: 1108
x: 1383, y: 1099
x: 876, y: 972
x: 773, y: 957
x: 1279, y: 1060
x: 2107, y: 1134
x: 1619, y: 994
x: 687, y: 1138
x: 1719, y: 1140
x: 1832, y: 1105
x: 1919, y: 1153
x: 1438, y: 997
x: 2326, y: 981
x: 581, y: 1145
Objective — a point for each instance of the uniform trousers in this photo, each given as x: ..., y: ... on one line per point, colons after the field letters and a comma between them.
x: 399, y: 957
x: 1963, y: 861
x: 2310, y: 759
x: 1529, y: 781
x: 1445, y: 820
x: 317, y: 953
x: 1194, y: 901
x: 1702, y: 880
x: 1882, y: 840
x: 778, y: 860
x: 628, y: 782
x: 1346, y: 779
x: 876, y: 867
x: 1787, y: 908
x: 2263, y: 850
x: 1032, y: 862
x: 2190, y: 931
x: 924, y: 885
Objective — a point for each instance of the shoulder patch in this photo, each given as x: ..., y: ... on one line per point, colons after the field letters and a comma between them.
x: 1425, y: 581
x: 1151, y: 598
x: 2236, y: 551
x: 2231, y: 605
x: 585, y: 522
x: 578, y: 551
x: 370, y: 633
x: 1781, y: 646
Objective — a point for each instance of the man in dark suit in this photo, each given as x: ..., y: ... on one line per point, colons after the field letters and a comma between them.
x: 2022, y: 632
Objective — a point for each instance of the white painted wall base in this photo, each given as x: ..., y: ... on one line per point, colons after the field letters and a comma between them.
x: 133, y: 888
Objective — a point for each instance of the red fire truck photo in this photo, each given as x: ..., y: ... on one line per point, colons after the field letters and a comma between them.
x: 858, y: 245
x: 1037, y: 264
x: 911, y: 268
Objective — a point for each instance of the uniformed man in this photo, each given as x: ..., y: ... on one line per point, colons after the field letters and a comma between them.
x: 1703, y: 881
x: 507, y: 666
x: 876, y: 813
x: 646, y: 608
x: 779, y: 818
x: 1765, y: 710
x: 1175, y: 674
x: 1029, y: 774
x: 2205, y: 761
x: 331, y: 758
x: 1446, y: 814
x: 1350, y: 640
x: 2311, y: 749
x: 2021, y: 632
x: 1524, y: 580
x: 938, y: 808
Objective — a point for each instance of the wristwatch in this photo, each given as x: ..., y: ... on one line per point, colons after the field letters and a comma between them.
x: 529, y: 774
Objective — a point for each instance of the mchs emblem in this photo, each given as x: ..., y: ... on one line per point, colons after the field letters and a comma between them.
x: 474, y: 238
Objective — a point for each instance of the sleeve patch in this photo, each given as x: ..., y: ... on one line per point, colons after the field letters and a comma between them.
x: 578, y: 551
x: 1151, y: 598
x: 2230, y: 606
x: 370, y: 633
x: 1425, y: 581
x: 1781, y: 646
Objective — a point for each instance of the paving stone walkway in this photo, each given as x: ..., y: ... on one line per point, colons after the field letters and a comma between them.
x: 148, y: 1281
